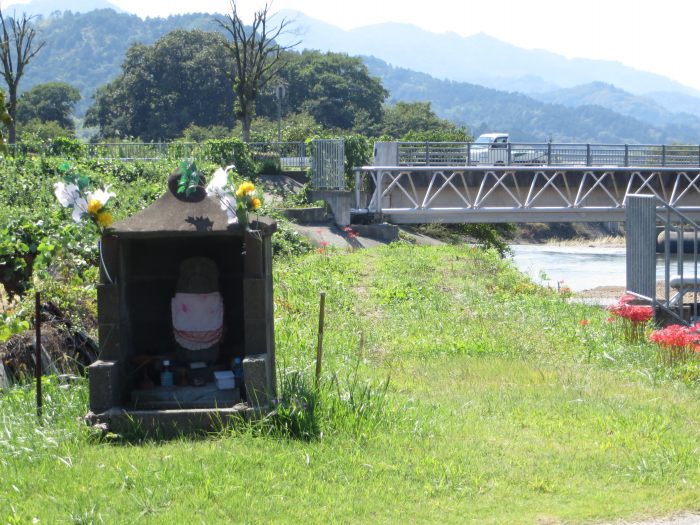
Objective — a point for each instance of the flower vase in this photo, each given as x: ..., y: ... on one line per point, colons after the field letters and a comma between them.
x: 242, y: 216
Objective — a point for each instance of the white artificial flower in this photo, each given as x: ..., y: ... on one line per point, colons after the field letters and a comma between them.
x: 102, y: 196
x: 67, y: 194
x: 218, y: 182
x: 79, y: 209
x: 228, y: 204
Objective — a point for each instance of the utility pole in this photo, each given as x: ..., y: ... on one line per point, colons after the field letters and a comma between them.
x: 280, y: 92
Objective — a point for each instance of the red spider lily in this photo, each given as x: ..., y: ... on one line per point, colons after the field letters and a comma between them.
x: 675, y: 335
x: 677, y: 343
x: 350, y: 232
x: 584, y: 322
x: 633, y: 316
x: 324, y: 244
x: 635, y: 313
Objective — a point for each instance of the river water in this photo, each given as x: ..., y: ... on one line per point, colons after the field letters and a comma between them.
x: 579, y: 268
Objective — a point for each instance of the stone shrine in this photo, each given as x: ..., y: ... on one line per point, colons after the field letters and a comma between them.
x: 156, y: 368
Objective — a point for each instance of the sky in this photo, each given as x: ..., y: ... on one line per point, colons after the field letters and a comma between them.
x: 649, y: 35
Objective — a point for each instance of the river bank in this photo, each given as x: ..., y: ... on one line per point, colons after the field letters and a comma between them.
x: 449, y: 383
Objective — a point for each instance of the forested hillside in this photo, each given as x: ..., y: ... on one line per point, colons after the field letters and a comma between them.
x: 87, y: 50
x: 643, y: 108
x: 485, y: 109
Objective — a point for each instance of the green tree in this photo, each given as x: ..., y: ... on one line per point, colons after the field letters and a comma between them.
x: 256, y: 58
x: 194, y: 133
x: 5, y: 120
x: 297, y: 127
x: 35, y: 130
x: 182, y: 79
x: 51, y: 102
x: 336, y: 89
x: 17, y: 48
x: 416, y: 121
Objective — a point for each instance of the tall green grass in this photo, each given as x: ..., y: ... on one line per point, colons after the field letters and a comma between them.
x: 453, y: 390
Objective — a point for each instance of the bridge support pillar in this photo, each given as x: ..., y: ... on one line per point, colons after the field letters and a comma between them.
x: 386, y: 154
x: 640, y: 222
x: 339, y: 201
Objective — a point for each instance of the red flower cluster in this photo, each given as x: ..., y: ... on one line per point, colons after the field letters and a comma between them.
x: 677, y: 343
x: 635, y: 313
x: 677, y: 336
x: 350, y: 232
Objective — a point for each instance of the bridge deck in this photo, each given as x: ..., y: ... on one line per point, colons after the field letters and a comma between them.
x: 459, y: 194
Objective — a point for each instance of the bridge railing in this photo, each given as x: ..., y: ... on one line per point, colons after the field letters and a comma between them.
x: 680, y: 283
x: 547, y: 154
x: 434, y: 153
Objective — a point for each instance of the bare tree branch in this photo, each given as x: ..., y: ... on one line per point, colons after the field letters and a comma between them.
x: 17, y: 39
x: 256, y: 56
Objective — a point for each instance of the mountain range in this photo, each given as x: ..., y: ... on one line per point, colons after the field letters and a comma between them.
x: 477, y: 81
x: 46, y: 8
x: 478, y: 59
x: 485, y: 109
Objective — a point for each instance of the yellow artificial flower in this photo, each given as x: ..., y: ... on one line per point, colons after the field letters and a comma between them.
x: 256, y: 203
x: 104, y: 219
x: 94, y: 206
x: 246, y: 188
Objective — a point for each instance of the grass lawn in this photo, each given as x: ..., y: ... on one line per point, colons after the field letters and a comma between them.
x: 501, y: 407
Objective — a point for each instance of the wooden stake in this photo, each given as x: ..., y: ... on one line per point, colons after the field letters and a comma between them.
x: 37, y: 364
x: 319, y: 347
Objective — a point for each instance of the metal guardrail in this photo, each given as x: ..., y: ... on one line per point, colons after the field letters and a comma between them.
x: 124, y: 151
x: 328, y: 164
x: 141, y: 151
x: 292, y: 155
x: 546, y: 154
x: 295, y: 155
x: 644, y: 215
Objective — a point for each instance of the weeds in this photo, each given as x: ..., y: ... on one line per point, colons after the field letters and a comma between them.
x: 296, y: 410
x: 24, y: 438
x: 338, y: 405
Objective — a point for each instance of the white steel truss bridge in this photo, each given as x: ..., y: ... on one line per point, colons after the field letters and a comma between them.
x: 479, y: 194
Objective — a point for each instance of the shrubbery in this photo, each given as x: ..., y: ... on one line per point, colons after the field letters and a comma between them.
x: 268, y: 163
x: 42, y: 248
x: 227, y: 151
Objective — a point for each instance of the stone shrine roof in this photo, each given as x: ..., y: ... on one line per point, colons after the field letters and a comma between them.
x: 173, y: 215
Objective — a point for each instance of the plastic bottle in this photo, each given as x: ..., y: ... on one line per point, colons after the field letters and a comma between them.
x: 237, y: 367
x: 166, y: 376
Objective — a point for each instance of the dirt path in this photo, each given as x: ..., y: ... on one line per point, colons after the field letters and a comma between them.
x: 605, y: 295
x: 680, y: 519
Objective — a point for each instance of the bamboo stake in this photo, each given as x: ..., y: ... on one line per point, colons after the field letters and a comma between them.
x: 37, y: 364
x: 319, y: 347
